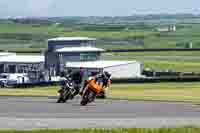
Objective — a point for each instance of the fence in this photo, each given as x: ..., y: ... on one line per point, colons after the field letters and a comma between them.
x: 120, y: 81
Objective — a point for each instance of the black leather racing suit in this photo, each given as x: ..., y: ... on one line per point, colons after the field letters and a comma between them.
x: 76, y: 78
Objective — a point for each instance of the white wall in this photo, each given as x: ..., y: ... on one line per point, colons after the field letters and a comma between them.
x: 126, y: 71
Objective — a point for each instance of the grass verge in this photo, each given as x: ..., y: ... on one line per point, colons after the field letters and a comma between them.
x: 131, y: 130
x: 184, y: 92
x: 36, y: 91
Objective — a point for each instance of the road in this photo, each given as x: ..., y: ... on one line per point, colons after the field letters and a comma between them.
x: 40, y: 112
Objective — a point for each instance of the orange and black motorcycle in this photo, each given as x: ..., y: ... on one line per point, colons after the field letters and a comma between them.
x: 92, y: 89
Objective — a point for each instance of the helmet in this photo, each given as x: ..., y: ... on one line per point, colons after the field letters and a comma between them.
x: 81, y: 69
x: 107, y: 74
x: 62, y: 74
x: 69, y: 71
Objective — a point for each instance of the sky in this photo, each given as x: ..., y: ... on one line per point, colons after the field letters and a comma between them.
x: 52, y: 8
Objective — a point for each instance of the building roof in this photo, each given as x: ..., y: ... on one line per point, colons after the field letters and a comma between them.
x: 6, y: 53
x: 97, y: 64
x: 72, y: 39
x: 80, y: 49
x: 22, y: 58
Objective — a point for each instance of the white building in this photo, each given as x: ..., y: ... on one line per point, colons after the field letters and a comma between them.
x: 30, y: 64
x: 118, y: 69
x: 170, y: 28
x: 66, y: 53
x: 6, y: 54
x: 74, y: 52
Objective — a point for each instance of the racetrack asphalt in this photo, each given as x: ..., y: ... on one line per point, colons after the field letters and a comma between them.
x: 41, y: 112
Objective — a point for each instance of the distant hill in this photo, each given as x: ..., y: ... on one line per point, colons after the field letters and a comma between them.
x: 106, y: 19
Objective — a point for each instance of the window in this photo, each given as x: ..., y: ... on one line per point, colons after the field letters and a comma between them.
x: 23, y: 68
x: 1, y: 68
x: 87, y: 43
x: 88, y: 56
x: 12, y: 68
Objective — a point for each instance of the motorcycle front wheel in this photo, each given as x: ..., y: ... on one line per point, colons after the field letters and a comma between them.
x: 88, y: 97
x: 60, y: 99
x: 85, y: 99
x: 63, y: 96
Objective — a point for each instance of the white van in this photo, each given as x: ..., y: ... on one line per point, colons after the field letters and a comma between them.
x: 14, y: 78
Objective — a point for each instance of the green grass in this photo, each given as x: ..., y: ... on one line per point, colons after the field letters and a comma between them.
x: 119, y: 130
x: 186, y: 92
x: 27, y: 28
x: 179, y: 66
x: 61, y: 31
x: 36, y: 91
x: 14, y: 34
x: 152, y: 39
x: 162, y: 53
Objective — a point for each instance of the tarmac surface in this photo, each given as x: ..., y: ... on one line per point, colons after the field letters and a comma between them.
x: 39, y: 112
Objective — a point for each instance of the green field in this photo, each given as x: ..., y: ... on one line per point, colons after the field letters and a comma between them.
x: 17, y: 35
x: 32, y: 38
x: 179, y: 66
x: 131, y: 130
x: 162, y: 53
x: 165, y: 61
x: 186, y: 92
x: 28, y: 35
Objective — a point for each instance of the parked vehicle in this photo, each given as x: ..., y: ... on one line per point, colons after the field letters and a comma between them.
x: 3, y: 81
x: 7, y: 79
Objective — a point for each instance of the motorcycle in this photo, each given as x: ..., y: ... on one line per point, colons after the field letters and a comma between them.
x: 90, y: 93
x: 88, y: 97
x: 66, y: 92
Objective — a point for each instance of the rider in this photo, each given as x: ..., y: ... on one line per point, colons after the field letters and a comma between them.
x: 104, y: 79
x: 77, y: 78
x: 101, y: 79
x: 62, y: 79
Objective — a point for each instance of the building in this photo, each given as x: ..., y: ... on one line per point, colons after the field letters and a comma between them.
x: 170, y: 28
x: 6, y: 54
x: 12, y: 63
x: 66, y: 53
x: 119, y: 69
x: 69, y: 49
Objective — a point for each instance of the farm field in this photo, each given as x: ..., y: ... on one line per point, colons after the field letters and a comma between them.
x: 33, y: 36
